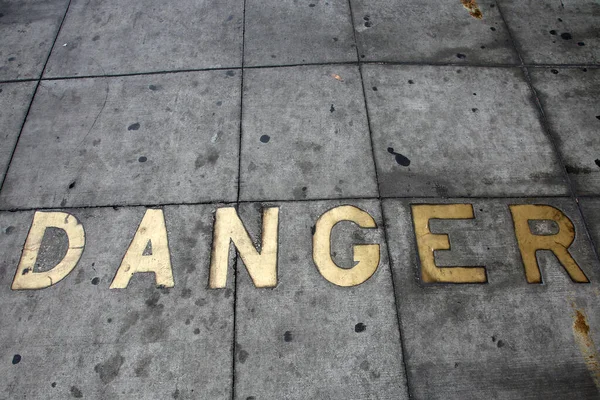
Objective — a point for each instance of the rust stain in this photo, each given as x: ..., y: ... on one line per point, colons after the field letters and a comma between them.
x: 473, y: 8
x: 581, y: 331
x: 580, y: 324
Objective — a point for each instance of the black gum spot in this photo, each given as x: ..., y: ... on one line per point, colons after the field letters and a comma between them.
x: 265, y: 138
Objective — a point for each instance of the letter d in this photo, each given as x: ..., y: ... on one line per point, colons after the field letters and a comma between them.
x: 26, y: 277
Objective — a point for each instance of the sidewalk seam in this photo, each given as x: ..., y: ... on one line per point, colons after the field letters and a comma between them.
x: 39, y: 81
x: 384, y: 228
x: 237, y: 207
x: 310, y: 64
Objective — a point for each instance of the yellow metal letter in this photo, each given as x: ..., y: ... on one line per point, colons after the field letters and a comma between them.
x: 427, y: 242
x: 559, y: 243
x: 366, y: 255
x: 26, y: 277
x: 148, y: 252
x: 262, y: 267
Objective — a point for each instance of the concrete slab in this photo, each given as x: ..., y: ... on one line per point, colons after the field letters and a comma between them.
x: 308, y: 338
x: 298, y: 32
x: 118, y: 37
x: 433, y: 31
x: 14, y: 101
x: 570, y: 101
x: 554, y: 32
x: 305, y: 135
x: 79, y: 336
x: 458, y: 131
x: 28, y: 29
x: 177, y: 136
x: 591, y: 213
x: 505, y: 338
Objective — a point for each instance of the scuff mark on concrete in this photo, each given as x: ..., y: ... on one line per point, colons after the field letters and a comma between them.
x: 581, y: 332
x: 473, y: 8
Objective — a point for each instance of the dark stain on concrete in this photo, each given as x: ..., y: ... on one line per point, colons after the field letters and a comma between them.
x: 75, y: 392
x: 571, y: 169
x: 242, y: 356
x: 141, y: 368
x: 109, y: 369
x: 400, y: 158
x: 130, y: 320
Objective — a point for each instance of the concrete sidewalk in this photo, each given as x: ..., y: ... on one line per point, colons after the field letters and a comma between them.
x: 413, y: 190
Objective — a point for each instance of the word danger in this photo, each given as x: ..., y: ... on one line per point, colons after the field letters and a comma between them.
x: 262, y: 264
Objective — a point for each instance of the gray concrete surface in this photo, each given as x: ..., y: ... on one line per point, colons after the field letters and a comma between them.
x: 119, y: 37
x: 460, y: 132
x: 554, y: 32
x: 308, y: 338
x: 298, y: 32
x: 570, y: 97
x: 142, y: 342
x: 130, y: 140
x: 27, y: 28
x: 110, y: 107
x: 507, y: 338
x: 14, y: 101
x: 436, y: 31
x: 307, y: 131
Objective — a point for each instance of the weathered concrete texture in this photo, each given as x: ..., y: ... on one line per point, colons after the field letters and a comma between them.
x: 27, y: 29
x: 590, y: 208
x: 431, y: 31
x: 504, y: 339
x: 14, y: 101
x: 113, y: 37
x: 570, y: 100
x: 132, y: 140
x: 554, y: 32
x: 297, y: 32
x: 139, y: 342
x: 458, y: 131
x: 305, y: 135
x: 308, y: 338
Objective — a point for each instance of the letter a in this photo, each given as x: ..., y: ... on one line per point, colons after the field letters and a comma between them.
x: 148, y: 252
